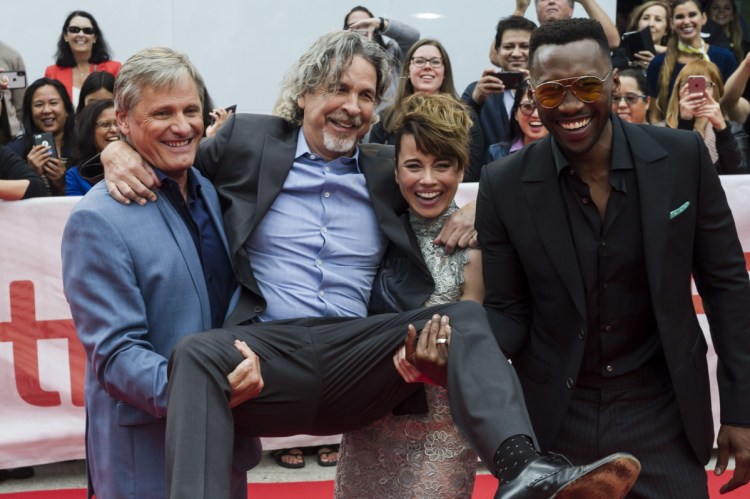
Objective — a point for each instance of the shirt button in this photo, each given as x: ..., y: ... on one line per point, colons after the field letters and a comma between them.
x: 324, y: 230
x: 604, y: 243
x: 608, y: 327
x: 610, y: 369
x: 570, y: 383
x: 312, y: 156
x: 257, y: 309
x: 571, y: 172
x: 328, y: 168
x: 326, y: 194
x: 581, y: 334
x: 318, y: 262
x: 321, y: 293
x: 585, y: 200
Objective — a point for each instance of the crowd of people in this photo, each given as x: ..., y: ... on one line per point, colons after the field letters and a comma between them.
x: 372, y: 324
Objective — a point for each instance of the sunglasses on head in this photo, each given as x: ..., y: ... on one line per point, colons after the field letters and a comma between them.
x: 75, y: 30
x: 550, y: 94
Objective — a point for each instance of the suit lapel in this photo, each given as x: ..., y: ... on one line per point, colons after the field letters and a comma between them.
x: 189, y: 254
x: 542, y: 192
x: 653, y: 174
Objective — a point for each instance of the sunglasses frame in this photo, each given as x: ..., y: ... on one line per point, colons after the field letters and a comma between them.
x: 521, y: 108
x: 428, y: 62
x: 74, y: 30
x: 628, y: 96
x: 572, y: 88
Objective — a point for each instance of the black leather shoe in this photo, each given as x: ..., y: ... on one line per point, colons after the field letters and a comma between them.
x: 553, y: 476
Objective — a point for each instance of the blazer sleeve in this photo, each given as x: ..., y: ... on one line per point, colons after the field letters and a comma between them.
x: 507, y: 297
x: 109, y: 312
x: 722, y: 282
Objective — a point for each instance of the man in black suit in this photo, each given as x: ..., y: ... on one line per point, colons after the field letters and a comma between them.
x: 309, y: 215
x: 589, y: 239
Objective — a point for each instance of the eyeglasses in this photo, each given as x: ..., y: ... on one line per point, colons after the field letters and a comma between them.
x: 106, y: 125
x: 74, y: 30
x: 550, y: 94
x: 420, y: 62
x: 630, y: 98
x: 527, y: 108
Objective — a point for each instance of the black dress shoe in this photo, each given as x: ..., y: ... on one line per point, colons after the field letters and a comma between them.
x: 553, y: 476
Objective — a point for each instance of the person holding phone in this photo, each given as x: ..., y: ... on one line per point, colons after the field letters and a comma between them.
x: 429, y: 71
x: 525, y: 125
x: 694, y: 105
x: 489, y: 96
x: 11, y: 60
x: 654, y: 15
x: 81, y: 50
x: 49, y: 112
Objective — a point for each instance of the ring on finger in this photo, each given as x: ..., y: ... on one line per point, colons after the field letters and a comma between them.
x: 441, y: 340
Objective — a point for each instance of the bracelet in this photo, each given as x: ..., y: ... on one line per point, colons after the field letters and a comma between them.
x: 381, y: 28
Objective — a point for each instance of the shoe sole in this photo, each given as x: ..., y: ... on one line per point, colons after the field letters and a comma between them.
x: 609, y: 480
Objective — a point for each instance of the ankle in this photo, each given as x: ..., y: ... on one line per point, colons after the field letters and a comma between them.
x: 513, y: 455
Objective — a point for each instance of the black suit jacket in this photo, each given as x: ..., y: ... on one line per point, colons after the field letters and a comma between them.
x: 248, y: 161
x: 535, y: 295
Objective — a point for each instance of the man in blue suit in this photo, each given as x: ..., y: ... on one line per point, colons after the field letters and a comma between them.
x: 140, y: 278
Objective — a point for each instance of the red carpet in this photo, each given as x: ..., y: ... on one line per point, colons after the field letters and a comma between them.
x: 484, y: 488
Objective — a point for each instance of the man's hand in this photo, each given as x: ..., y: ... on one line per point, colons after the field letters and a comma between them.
x: 486, y: 85
x: 245, y: 381
x: 127, y: 176
x: 430, y: 352
x: 521, y: 6
x: 733, y: 440
x: 459, y: 230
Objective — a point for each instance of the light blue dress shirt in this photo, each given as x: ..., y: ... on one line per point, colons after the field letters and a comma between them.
x: 316, y: 251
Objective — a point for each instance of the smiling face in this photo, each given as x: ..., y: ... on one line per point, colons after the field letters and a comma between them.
x: 106, y: 130
x: 576, y: 126
x: 80, y: 42
x: 165, y: 126
x: 513, y: 52
x: 722, y: 12
x: 530, y: 124
x: 687, y: 22
x: 48, y: 110
x: 427, y: 79
x: 553, y: 10
x: 428, y: 183
x: 632, y: 113
x: 655, y: 19
x: 333, y: 123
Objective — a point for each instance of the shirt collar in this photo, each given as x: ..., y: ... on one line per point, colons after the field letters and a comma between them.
x: 193, y: 186
x: 303, y: 151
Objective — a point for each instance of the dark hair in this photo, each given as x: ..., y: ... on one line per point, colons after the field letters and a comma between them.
x: 84, y: 147
x: 512, y: 22
x: 5, y: 136
x: 28, y: 122
x: 405, y: 87
x: 639, y: 76
x: 564, y: 31
x: 515, y: 127
x: 99, y: 52
x: 376, y: 36
x: 93, y: 83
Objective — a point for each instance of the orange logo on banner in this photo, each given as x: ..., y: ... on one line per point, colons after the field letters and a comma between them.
x: 698, y: 303
x: 24, y: 331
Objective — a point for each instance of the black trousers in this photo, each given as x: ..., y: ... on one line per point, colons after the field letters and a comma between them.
x: 637, y: 414
x: 325, y: 376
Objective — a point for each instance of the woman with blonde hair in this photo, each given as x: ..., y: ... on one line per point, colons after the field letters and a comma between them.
x: 654, y: 15
x: 685, y: 45
x: 701, y: 111
x: 422, y: 455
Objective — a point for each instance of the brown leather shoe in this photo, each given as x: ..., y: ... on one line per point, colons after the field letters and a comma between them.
x: 553, y: 476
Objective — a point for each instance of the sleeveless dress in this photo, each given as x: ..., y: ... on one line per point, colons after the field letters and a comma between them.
x: 416, y: 455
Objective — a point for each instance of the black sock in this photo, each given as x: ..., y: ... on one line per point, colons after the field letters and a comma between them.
x: 512, y: 457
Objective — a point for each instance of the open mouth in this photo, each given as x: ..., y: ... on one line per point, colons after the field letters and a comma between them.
x: 574, y: 125
x: 428, y: 196
x: 177, y: 143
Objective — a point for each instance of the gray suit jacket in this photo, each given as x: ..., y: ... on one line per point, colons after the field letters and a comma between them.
x: 535, y: 294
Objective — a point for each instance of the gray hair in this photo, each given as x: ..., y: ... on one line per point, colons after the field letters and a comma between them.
x: 322, y: 66
x: 155, y: 67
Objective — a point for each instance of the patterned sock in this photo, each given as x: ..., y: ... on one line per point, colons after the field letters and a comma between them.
x: 512, y: 457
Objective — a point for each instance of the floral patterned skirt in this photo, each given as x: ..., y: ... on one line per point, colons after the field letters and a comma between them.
x: 412, y: 456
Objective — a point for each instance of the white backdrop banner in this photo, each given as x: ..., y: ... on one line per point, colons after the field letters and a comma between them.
x: 42, y: 363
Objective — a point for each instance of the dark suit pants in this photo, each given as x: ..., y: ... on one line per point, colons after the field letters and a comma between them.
x: 639, y: 415
x: 326, y: 376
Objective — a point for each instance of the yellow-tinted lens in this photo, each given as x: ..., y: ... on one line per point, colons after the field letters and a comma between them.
x: 588, y: 88
x: 549, y: 94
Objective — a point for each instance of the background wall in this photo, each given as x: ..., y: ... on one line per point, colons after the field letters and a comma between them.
x: 243, y: 48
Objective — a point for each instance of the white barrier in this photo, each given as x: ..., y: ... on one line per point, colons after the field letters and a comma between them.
x: 42, y: 363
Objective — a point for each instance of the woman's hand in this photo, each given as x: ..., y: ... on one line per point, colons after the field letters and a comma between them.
x: 54, y: 168
x: 38, y: 157
x: 219, y: 115
x: 711, y: 110
x: 643, y: 58
x: 689, y: 103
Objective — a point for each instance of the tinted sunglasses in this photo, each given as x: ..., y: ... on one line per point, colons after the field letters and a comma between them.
x: 550, y: 94
x: 75, y: 30
x: 630, y: 98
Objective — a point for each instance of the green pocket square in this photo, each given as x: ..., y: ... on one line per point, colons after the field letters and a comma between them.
x: 679, y: 210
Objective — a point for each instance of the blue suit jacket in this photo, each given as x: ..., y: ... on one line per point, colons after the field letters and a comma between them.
x: 135, y: 285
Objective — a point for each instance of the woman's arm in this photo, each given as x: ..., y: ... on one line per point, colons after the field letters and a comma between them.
x: 473, y: 286
x: 737, y: 107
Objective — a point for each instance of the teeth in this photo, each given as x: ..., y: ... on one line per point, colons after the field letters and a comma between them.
x: 428, y: 195
x: 179, y: 143
x: 575, y: 125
